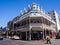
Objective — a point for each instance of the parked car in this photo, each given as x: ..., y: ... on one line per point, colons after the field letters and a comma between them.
x: 58, y: 35
x: 1, y: 38
x: 15, y: 37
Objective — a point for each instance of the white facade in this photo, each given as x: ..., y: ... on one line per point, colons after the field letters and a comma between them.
x: 36, y: 11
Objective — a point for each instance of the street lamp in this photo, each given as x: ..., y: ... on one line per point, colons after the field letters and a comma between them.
x: 0, y: 29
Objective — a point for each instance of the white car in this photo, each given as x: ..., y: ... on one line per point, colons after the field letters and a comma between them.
x: 15, y: 37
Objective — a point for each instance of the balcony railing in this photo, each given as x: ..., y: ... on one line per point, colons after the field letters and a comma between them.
x: 42, y: 26
x: 24, y: 26
x: 36, y: 24
x: 50, y: 27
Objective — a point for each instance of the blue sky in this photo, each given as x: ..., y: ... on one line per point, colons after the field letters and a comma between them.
x: 11, y: 8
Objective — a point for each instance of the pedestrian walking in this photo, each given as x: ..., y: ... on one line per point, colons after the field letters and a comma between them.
x: 48, y: 39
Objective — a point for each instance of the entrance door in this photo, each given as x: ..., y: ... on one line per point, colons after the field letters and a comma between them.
x: 37, y: 35
x: 23, y: 35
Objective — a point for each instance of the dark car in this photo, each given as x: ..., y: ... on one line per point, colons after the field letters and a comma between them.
x: 58, y: 35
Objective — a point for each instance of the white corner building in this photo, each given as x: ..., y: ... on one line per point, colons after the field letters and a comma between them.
x: 34, y: 23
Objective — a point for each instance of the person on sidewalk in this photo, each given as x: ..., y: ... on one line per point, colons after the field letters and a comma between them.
x: 48, y: 39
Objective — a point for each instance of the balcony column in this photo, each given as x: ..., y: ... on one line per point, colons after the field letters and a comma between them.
x: 29, y: 29
x: 43, y: 20
x: 45, y: 33
x: 13, y: 25
x: 42, y: 27
x: 20, y: 35
x: 49, y: 33
x: 26, y: 35
x: 52, y: 34
x: 29, y: 35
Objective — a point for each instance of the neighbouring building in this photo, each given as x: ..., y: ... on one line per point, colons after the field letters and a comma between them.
x: 56, y: 18
x: 59, y: 22
x: 33, y: 23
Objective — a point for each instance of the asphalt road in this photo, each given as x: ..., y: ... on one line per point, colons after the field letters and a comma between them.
x: 20, y: 42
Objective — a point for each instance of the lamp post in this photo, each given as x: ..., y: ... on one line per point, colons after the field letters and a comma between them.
x: 0, y: 31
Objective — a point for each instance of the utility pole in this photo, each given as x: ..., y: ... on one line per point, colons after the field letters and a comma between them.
x: 7, y: 31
